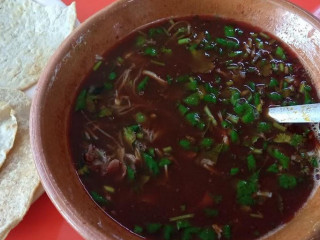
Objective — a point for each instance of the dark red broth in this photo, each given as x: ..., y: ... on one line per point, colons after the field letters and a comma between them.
x: 170, y: 133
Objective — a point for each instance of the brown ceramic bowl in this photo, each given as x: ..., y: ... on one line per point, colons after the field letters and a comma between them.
x: 74, y: 59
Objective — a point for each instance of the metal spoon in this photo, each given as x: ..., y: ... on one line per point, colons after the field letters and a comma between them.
x: 308, y: 113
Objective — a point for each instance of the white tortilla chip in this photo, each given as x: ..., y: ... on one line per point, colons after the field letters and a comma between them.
x: 18, y: 176
x: 30, y: 33
x: 8, y: 129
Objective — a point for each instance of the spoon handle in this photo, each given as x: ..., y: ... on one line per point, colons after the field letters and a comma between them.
x: 308, y: 113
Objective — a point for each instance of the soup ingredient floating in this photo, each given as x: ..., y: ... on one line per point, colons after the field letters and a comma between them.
x: 18, y: 176
x: 30, y: 33
x: 171, y: 137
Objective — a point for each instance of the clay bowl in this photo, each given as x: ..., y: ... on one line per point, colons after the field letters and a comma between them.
x: 61, y: 79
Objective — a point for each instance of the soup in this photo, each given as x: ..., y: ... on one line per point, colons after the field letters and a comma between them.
x: 170, y: 132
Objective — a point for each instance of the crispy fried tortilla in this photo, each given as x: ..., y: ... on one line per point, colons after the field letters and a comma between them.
x: 18, y: 176
x: 8, y: 129
x: 30, y: 33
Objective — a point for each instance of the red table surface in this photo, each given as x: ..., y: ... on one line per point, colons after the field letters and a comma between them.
x: 43, y: 221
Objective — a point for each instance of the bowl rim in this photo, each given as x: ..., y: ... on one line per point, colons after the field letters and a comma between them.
x: 43, y: 85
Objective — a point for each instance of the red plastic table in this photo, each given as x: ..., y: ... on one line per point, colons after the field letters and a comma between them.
x: 43, y: 221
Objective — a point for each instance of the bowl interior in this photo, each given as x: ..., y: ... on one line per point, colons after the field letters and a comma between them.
x: 61, y: 79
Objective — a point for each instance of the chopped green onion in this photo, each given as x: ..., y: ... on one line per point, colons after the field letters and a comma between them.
x: 151, y: 151
x: 192, y: 100
x: 279, y: 126
x: 227, y: 43
x: 273, y: 168
x: 164, y: 162
x: 129, y: 135
x: 256, y: 99
x: 137, y: 229
x: 207, y: 234
x: 140, y: 41
x: 206, y: 143
x: 154, y: 32
x: 166, y: 50
x: 81, y: 100
x: 283, y: 159
x: 120, y: 60
x: 280, y: 53
x: 264, y: 127
x: 104, y: 112
x: 168, y: 230
x: 233, y: 118
x: 210, y: 98
x: 98, y: 198
x: 83, y: 171
x: 108, y: 85
x: 142, y: 85
x: 181, y: 224
x: 264, y: 35
x: 151, y: 51
x: 229, y: 31
x: 169, y: 79
x: 131, y: 174
x: 153, y: 227
x: 151, y: 163
x: 182, y: 217
x: 109, y: 189
x: 226, y: 124
x: 193, y: 118
x: 226, y: 231
x: 234, y: 136
x: 210, y: 89
x: 185, y: 144
x: 251, y: 161
x: 287, y: 181
x: 182, y: 78
x: 235, y: 96
x: 167, y: 149
x: 210, y: 116
x: 234, y: 171
x: 314, y: 162
x: 162, y: 64
x: 235, y: 53
x: 192, y: 85
x: 188, y: 232
x: 182, y: 109
x: 140, y: 117
x: 274, y: 96
x: 112, y: 76
x: 296, y: 140
x: 246, y: 189
x: 97, y: 65
x: 184, y: 41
